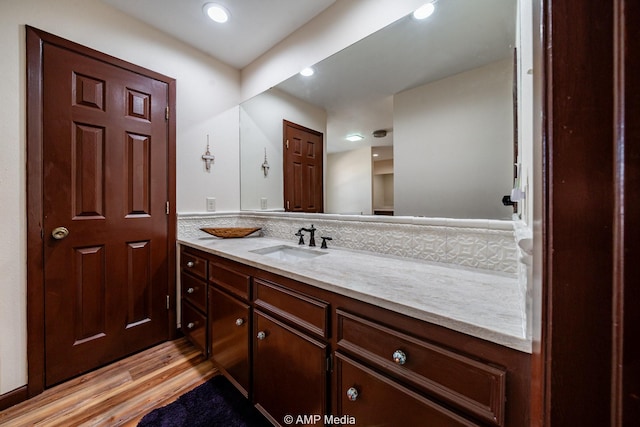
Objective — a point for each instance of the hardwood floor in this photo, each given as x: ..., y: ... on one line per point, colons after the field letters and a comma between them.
x: 119, y: 394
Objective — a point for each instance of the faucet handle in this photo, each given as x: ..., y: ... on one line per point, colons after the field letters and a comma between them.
x: 301, y: 235
x: 324, y: 242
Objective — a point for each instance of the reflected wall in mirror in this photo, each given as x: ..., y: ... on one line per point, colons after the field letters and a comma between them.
x: 441, y: 88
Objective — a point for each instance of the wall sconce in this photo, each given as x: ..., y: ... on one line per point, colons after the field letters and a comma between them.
x: 265, y: 165
x: 208, y: 157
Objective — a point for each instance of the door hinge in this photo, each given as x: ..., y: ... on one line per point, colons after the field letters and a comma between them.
x: 166, y: 210
x: 287, y: 144
x: 166, y: 113
x: 168, y: 302
x: 330, y: 363
x: 287, y: 205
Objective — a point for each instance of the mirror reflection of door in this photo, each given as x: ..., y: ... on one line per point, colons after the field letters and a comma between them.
x: 303, y: 154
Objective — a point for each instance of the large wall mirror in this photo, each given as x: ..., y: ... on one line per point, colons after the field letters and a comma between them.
x: 441, y: 92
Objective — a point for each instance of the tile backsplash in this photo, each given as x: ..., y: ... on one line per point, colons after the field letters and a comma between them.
x: 484, y: 244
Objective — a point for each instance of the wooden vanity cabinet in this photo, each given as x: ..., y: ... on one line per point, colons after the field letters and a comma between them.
x: 295, y: 349
x: 193, y: 284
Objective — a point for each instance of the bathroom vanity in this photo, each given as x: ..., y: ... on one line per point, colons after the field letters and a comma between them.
x: 357, y: 338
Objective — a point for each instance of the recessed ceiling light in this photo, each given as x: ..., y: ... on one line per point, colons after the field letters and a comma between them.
x: 375, y: 154
x: 307, y: 72
x: 424, y: 11
x: 216, y: 12
x: 355, y: 137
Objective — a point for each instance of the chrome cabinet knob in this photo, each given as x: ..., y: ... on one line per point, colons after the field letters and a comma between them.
x: 60, y: 233
x: 190, y: 325
x: 190, y: 290
x: 239, y: 322
x: 191, y: 264
x: 261, y: 335
x: 399, y: 357
x: 352, y: 394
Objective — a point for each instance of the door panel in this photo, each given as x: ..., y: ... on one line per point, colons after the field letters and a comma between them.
x: 105, y: 168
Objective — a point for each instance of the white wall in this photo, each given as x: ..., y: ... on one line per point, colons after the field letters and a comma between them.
x: 261, y: 127
x: 206, y: 88
x: 348, y: 182
x: 460, y: 156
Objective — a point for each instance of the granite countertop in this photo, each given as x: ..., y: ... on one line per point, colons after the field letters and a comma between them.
x: 483, y: 304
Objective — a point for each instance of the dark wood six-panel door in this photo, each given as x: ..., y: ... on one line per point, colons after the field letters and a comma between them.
x: 303, y: 163
x: 105, y: 223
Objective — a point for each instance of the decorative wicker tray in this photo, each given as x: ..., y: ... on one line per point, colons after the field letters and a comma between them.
x: 231, y: 232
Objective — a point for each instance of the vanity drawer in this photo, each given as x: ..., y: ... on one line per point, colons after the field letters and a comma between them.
x: 233, y: 281
x: 306, y: 312
x: 193, y: 264
x: 372, y: 399
x: 473, y: 386
x: 195, y: 291
x: 194, y: 326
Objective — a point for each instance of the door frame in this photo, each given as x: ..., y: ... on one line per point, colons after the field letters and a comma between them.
x: 35, y: 40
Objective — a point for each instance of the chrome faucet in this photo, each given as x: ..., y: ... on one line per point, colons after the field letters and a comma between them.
x: 312, y: 230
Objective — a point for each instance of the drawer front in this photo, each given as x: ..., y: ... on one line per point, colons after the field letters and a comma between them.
x: 472, y: 386
x: 233, y: 281
x: 303, y: 311
x: 194, y: 326
x: 229, y: 335
x: 195, y: 291
x: 193, y: 264
x: 371, y: 399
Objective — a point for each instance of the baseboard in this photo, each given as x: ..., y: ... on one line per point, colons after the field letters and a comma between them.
x: 13, y: 397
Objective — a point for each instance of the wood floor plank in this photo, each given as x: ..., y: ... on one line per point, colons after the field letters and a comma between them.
x: 119, y: 394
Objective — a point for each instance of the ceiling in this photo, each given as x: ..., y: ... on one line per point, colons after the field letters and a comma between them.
x: 255, y: 26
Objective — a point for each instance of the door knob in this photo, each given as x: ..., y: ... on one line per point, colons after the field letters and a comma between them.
x: 60, y: 233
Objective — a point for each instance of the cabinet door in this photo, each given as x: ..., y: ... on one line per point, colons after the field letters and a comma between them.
x: 373, y: 399
x: 290, y: 370
x: 229, y: 336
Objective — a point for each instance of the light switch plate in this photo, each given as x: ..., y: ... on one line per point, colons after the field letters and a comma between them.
x: 211, y: 204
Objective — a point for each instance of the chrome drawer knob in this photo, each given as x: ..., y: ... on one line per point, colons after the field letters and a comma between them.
x: 399, y: 357
x: 239, y: 322
x: 191, y: 264
x: 190, y: 325
x: 352, y: 394
x: 190, y: 290
x: 261, y: 335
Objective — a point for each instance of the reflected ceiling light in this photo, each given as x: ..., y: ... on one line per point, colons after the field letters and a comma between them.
x: 424, y: 11
x: 375, y: 154
x: 216, y: 12
x: 307, y: 72
x: 355, y: 137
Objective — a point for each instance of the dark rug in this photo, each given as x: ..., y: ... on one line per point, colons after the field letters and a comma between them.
x: 214, y: 403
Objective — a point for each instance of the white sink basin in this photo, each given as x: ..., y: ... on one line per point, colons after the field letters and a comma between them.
x: 288, y: 253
